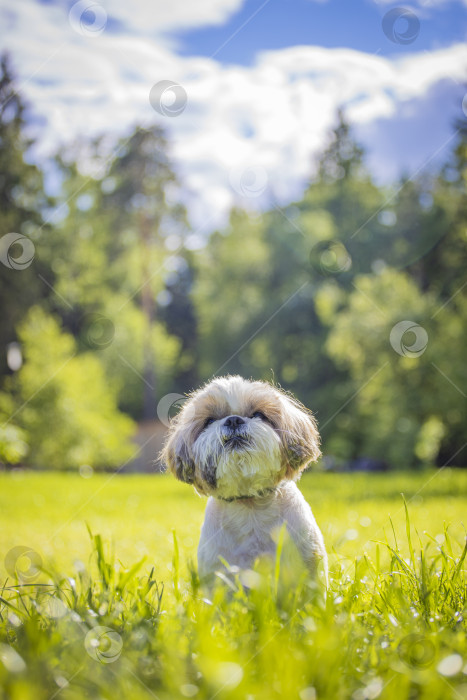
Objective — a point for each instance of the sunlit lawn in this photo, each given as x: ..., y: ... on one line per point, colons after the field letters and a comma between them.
x: 49, y: 512
x: 393, y: 624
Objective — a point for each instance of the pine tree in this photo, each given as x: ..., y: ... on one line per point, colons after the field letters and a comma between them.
x: 21, y: 200
x: 343, y: 158
x: 142, y: 173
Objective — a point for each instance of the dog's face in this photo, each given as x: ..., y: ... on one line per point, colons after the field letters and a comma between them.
x: 236, y: 438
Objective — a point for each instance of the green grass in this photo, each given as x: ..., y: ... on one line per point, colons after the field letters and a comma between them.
x: 392, y: 625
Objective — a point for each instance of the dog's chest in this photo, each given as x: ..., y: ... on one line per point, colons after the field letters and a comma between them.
x: 249, y: 532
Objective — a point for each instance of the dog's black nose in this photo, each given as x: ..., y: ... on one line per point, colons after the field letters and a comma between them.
x: 233, y: 422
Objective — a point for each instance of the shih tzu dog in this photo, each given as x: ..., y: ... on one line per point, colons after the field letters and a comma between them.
x: 244, y: 444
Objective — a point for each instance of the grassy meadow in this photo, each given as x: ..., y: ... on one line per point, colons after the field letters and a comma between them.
x: 121, y: 614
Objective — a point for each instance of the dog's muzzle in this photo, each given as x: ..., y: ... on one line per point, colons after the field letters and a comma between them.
x: 233, y: 432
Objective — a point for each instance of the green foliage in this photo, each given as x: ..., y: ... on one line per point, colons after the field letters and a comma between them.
x: 21, y: 202
x: 13, y: 446
x: 309, y: 295
x: 123, y: 353
x: 67, y: 406
x: 306, y: 294
x: 109, y: 257
x: 232, y: 277
x: 392, y: 625
x: 403, y: 400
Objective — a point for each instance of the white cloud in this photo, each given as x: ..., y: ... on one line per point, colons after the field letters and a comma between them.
x: 146, y: 17
x: 271, y: 118
x: 141, y: 17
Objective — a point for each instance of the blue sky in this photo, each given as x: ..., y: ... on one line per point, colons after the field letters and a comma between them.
x: 257, y: 85
x: 354, y: 24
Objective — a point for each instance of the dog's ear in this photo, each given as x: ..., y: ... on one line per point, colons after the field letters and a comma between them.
x: 299, y: 435
x: 177, y: 458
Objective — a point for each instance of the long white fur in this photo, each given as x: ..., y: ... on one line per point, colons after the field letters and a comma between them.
x: 263, y: 472
x: 241, y: 531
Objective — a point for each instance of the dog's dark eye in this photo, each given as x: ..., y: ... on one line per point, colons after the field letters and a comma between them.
x: 258, y: 414
x: 207, y: 422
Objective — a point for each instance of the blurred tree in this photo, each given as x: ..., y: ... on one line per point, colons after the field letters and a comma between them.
x: 13, y: 439
x: 403, y: 406
x: 307, y: 294
x: 257, y: 281
x: 110, y: 260
x: 330, y: 235
x: 342, y: 213
x: 231, y: 297
x: 343, y: 157
x: 444, y: 267
x: 444, y: 271
x: 177, y: 312
x: 21, y: 201
x: 142, y: 175
x: 64, y: 403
